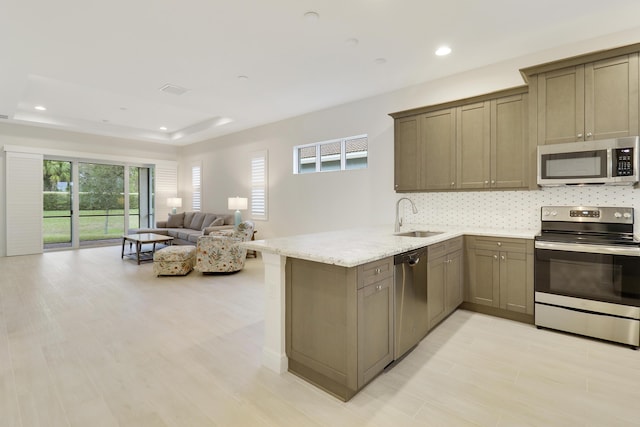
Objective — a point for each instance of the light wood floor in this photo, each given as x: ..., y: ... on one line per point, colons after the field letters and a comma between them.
x: 87, y: 339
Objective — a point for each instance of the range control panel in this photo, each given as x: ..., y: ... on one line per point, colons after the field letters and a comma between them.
x: 619, y: 215
x: 585, y: 213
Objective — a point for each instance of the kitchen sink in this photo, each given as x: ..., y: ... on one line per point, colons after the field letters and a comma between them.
x: 419, y: 233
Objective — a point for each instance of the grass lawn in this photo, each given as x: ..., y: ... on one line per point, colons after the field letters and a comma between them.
x: 93, y: 225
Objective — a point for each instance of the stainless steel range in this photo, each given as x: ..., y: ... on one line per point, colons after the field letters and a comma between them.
x: 587, y: 273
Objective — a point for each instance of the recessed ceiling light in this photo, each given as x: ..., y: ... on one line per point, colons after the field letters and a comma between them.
x: 40, y: 108
x: 352, y: 42
x: 380, y: 61
x: 243, y: 77
x: 443, y: 51
x: 163, y: 128
x: 123, y: 108
x: 223, y: 121
x: 311, y: 16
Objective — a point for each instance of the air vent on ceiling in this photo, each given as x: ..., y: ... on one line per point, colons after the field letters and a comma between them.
x: 173, y: 89
x: 3, y: 116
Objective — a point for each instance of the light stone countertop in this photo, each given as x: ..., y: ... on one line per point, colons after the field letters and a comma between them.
x: 353, y: 247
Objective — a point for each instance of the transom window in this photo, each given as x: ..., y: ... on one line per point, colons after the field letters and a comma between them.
x: 335, y: 155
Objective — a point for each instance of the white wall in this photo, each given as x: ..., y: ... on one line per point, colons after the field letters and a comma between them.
x: 335, y: 200
x: 47, y: 139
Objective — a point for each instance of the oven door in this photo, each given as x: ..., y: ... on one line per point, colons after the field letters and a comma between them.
x: 593, y: 272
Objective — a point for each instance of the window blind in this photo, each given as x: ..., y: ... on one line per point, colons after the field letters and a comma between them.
x: 166, y: 185
x: 259, y: 185
x: 196, y: 187
x: 23, y: 203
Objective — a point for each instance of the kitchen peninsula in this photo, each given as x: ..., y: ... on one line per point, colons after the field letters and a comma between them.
x: 349, y: 266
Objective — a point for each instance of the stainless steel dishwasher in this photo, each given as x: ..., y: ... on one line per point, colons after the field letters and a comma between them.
x: 411, y: 318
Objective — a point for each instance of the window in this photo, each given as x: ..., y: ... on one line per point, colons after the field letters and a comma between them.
x: 339, y: 154
x: 196, y: 187
x: 259, y: 185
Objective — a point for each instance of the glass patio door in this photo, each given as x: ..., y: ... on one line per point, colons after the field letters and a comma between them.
x: 101, y: 202
x: 57, y: 204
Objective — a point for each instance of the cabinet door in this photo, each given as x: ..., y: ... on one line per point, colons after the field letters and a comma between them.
x: 438, y: 130
x: 473, y: 132
x: 561, y: 105
x: 611, y: 98
x: 484, y: 277
x: 436, y: 290
x: 513, y: 282
x: 375, y: 329
x: 509, y: 142
x: 454, y: 284
x: 407, y: 155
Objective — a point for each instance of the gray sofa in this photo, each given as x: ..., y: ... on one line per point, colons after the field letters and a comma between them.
x: 186, y: 227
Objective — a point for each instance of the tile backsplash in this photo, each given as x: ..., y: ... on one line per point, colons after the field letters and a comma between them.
x: 511, y: 209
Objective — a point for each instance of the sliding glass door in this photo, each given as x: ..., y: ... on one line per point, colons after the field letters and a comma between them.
x: 87, y: 204
x: 57, y: 204
x: 101, y: 197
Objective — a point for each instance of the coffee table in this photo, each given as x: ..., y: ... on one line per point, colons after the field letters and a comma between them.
x: 141, y: 239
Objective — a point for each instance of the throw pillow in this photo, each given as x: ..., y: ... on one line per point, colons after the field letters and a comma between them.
x: 217, y: 222
x: 175, y: 220
x: 208, y: 219
x: 196, y: 222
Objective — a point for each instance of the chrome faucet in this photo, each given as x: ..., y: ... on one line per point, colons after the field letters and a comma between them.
x: 398, y: 219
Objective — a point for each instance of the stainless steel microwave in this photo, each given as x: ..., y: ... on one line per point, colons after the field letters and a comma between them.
x: 603, y: 162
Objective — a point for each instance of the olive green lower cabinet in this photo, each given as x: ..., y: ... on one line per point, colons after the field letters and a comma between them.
x: 445, y: 291
x: 500, y: 277
x: 339, y: 323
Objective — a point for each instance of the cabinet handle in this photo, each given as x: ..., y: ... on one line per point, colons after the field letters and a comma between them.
x: 377, y: 270
x: 495, y: 257
x: 486, y: 182
x: 503, y: 257
x: 579, y: 135
x: 396, y: 185
x: 499, y: 243
x: 493, y: 181
x: 589, y: 134
x: 453, y: 183
x: 378, y: 287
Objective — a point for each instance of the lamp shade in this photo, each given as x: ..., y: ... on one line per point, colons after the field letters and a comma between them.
x: 238, y: 203
x: 174, y: 202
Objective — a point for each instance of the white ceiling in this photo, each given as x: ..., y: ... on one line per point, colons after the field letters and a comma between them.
x: 98, y: 66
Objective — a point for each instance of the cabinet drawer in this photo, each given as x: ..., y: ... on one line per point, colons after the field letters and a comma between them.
x: 499, y: 244
x: 439, y: 249
x: 374, y: 271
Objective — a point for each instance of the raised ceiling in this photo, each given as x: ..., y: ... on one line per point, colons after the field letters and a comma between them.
x: 98, y: 67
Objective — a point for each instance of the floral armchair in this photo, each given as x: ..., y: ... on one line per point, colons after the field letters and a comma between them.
x: 220, y: 252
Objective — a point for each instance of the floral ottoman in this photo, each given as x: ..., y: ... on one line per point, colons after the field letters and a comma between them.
x: 174, y: 260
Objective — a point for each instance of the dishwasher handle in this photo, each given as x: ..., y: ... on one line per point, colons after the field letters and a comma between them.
x: 411, y: 258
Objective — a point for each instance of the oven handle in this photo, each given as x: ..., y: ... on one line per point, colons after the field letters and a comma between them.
x: 592, y: 249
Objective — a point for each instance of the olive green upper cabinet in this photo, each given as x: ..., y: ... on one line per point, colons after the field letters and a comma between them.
x: 586, y: 101
x: 407, y: 154
x: 493, y: 143
x: 472, y: 144
x: 509, y: 141
x: 438, y: 146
